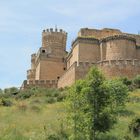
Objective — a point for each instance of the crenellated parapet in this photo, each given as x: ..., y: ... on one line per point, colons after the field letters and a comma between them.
x: 88, y: 40
x: 85, y: 64
x: 118, y: 37
x: 31, y: 74
x: 52, y: 31
x: 126, y: 62
x: 54, y: 42
x: 39, y: 83
x: 120, y: 68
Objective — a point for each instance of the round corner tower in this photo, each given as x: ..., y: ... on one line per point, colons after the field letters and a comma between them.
x: 119, y: 47
x: 54, y: 42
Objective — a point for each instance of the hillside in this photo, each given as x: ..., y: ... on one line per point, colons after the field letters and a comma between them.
x: 35, y: 119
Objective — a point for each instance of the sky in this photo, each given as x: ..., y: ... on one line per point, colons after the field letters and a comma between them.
x: 22, y: 22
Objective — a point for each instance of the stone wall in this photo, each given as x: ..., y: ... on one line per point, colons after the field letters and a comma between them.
x: 120, y: 68
x: 39, y: 83
x: 85, y: 32
x: 73, y: 56
x: 119, y: 47
x: 89, y: 51
x: 69, y: 77
x: 75, y: 72
x: 54, y: 42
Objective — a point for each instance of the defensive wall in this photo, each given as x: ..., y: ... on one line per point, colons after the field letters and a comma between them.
x: 75, y: 72
x: 39, y: 83
x: 120, y: 68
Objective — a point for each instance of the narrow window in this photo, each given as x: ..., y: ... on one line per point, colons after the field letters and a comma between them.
x: 43, y: 51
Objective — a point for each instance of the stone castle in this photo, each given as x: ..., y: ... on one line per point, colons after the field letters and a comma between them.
x: 116, y: 53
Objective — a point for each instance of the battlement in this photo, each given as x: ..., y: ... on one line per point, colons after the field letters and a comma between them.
x: 30, y: 72
x: 117, y: 37
x: 52, y: 31
x: 98, y: 33
x: 89, y: 40
x: 39, y: 83
x: 135, y: 62
x: 33, y: 56
x: 85, y: 64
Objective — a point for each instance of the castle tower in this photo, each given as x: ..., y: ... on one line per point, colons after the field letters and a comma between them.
x: 118, y: 47
x: 54, y: 42
x: 50, y: 59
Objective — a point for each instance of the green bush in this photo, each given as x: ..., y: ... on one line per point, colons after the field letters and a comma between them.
x: 136, y: 81
x: 51, y: 100
x: 134, y: 126
x: 6, y: 102
x: 53, y: 137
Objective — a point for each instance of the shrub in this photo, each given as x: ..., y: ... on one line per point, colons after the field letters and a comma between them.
x: 136, y: 81
x: 51, y: 100
x: 134, y: 126
x: 62, y: 96
x: 6, y: 102
x: 53, y: 137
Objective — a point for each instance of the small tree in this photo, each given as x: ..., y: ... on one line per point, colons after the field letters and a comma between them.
x: 90, y: 104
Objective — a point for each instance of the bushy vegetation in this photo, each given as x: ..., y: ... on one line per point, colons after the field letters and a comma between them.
x: 93, y: 104
x: 91, y: 108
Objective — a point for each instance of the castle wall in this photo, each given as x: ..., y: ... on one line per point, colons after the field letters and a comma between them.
x: 51, y: 70
x: 103, y: 47
x: 33, y: 57
x: 120, y: 49
x: 39, y: 83
x: 68, y: 78
x: 37, y: 72
x: 89, y: 52
x: 85, y: 32
x: 120, y: 68
x: 75, y: 72
x: 74, y: 56
x: 138, y: 52
x: 137, y: 37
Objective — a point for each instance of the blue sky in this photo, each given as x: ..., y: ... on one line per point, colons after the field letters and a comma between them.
x: 22, y: 22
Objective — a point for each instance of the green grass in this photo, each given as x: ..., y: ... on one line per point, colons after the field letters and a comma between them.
x: 30, y: 120
x: 34, y: 119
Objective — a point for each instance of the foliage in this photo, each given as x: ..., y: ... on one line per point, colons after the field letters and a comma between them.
x: 118, y: 93
x: 9, y: 92
x: 6, y: 102
x: 134, y: 126
x: 136, y: 81
x: 128, y: 83
x: 92, y: 104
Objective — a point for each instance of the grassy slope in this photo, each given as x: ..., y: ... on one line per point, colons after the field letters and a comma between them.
x: 33, y: 119
x: 28, y: 119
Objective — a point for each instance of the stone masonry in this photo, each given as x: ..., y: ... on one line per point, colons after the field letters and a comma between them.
x: 116, y: 53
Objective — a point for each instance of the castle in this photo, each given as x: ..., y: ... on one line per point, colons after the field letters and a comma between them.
x: 116, y: 53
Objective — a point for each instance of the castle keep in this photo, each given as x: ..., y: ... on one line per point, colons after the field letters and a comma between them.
x: 116, y: 53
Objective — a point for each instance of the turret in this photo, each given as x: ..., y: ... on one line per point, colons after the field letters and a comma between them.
x: 54, y: 41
